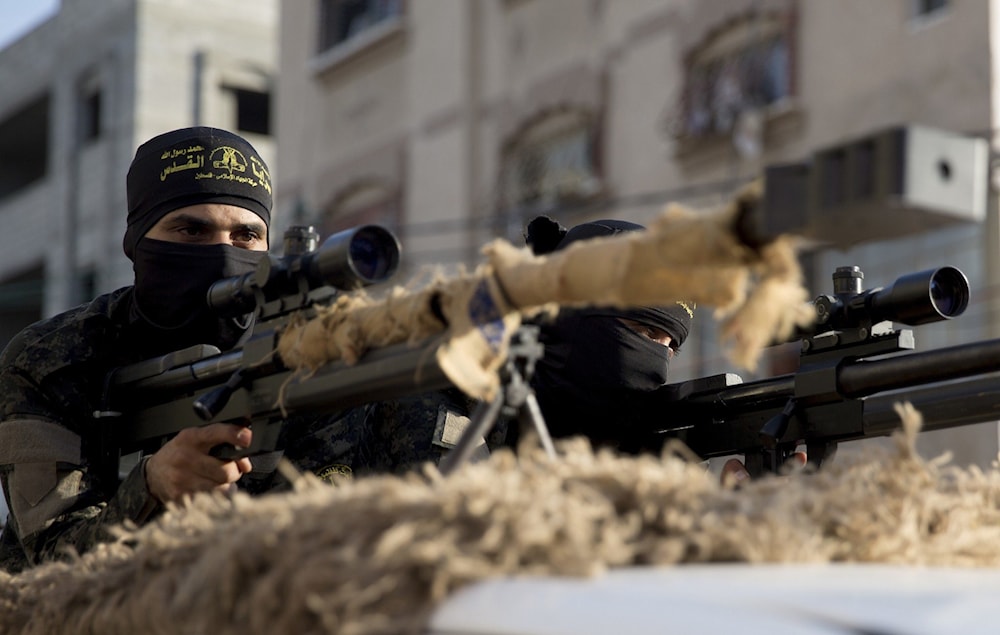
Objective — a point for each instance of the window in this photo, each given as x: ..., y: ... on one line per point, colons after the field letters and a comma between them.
x: 89, y: 106
x: 90, y: 116
x: 21, y: 300
x: 552, y: 161
x: 253, y: 111
x: 342, y: 20
x: 927, y: 7
x: 86, y: 285
x: 744, y: 68
x: 24, y: 146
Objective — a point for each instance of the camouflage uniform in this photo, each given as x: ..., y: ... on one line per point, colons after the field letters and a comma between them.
x: 52, y: 381
x: 390, y: 436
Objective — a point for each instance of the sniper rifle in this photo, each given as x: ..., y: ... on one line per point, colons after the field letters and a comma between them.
x: 852, y: 369
x: 147, y: 403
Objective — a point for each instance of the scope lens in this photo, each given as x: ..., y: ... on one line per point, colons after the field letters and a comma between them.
x: 949, y: 292
x: 374, y: 254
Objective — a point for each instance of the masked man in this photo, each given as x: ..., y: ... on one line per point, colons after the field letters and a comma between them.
x: 199, y: 203
x: 599, y: 360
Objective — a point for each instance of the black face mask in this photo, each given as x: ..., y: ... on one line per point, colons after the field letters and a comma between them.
x: 171, y: 284
x: 592, y: 368
x: 597, y: 353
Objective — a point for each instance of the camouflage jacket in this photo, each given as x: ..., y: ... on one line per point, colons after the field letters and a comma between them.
x: 51, y: 382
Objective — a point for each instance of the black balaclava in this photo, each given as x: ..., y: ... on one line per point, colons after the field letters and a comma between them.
x: 594, y: 366
x: 186, y: 167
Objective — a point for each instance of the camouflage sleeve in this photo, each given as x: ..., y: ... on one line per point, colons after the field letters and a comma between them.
x: 325, y: 445
x: 383, y: 436
x: 390, y: 436
x: 54, y: 503
x: 83, y: 527
x: 405, y: 433
x: 402, y: 434
x: 58, y: 493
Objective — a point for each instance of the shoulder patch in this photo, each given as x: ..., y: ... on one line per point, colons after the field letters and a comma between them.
x: 336, y: 473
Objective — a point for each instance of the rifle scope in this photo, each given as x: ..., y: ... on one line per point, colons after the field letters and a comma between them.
x: 917, y: 298
x: 350, y: 259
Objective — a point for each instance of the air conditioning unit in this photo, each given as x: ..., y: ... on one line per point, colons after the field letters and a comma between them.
x: 896, y: 182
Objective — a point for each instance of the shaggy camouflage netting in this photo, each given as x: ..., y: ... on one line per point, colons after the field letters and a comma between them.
x: 697, y: 256
x: 378, y: 554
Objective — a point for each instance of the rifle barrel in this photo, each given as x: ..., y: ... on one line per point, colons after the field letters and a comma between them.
x: 873, y: 376
x: 396, y: 371
x: 945, y: 406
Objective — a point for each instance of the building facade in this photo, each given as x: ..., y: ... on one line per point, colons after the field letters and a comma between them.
x: 80, y: 93
x: 456, y: 121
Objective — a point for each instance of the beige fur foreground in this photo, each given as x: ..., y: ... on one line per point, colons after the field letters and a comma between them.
x: 376, y: 555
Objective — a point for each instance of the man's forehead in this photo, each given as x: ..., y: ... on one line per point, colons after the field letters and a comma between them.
x: 216, y: 214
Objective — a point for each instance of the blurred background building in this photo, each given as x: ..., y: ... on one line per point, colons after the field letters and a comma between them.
x: 80, y: 92
x: 456, y: 121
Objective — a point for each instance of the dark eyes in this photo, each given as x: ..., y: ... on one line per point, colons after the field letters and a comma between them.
x: 241, y: 236
x: 655, y: 335
x: 192, y: 230
x: 644, y: 330
x: 247, y: 236
x: 652, y: 333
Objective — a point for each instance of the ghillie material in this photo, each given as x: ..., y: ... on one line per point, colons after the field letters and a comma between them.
x: 377, y: 555
x: 694, y: 256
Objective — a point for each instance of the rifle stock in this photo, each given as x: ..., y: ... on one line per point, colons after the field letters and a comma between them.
x: 160, y: 405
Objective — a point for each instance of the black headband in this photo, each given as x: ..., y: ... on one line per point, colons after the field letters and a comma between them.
x: 675, y: 319
x: 192, y: 166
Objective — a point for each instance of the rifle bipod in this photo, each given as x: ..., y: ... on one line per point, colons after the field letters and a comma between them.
x: 515, y: 398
